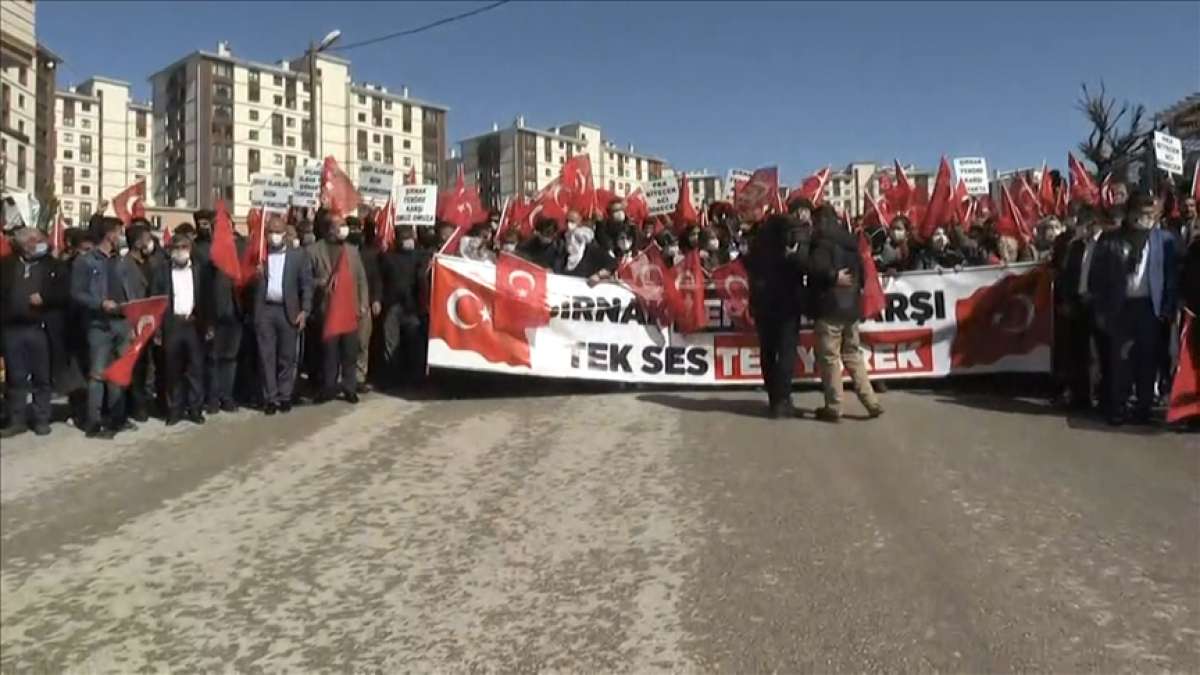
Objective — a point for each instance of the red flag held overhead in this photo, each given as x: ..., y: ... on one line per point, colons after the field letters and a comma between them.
x: 385, y: 226
x: 127, y: 199
x: 224, y: 253
x: 940, y: 207
x: 812, y: 188
x: 685, y: 214
x: 1083, y: 186
x: 338, y: 194
x: 733, y: 287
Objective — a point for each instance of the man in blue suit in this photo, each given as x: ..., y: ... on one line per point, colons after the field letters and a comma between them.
x: 283, y: 297
x: 1134, y: 287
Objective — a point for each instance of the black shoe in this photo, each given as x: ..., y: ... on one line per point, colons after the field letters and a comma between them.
x: 196, y: 417
x: 324, y: 397
x: 13, y: 430
x: 229, y: 407
x: 827, y: 414
x: 212, y: 408
x: 1142, y: 418
x: 351, y: 398
x: 124, y: 426
x: 874, y: 411
x: 781, y: 411
x: 364, y: 388
x: 172, y: 420
x: 97, y: 432
x: 140, y: 416
x: 269, y: 409
x: 42, y: 429
x: 1116, y: 420
x: 285, y: 407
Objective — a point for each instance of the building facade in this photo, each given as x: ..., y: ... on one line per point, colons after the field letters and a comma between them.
x: 706, y: 187
x: 220, y: 119
x: 18, y: 96
x: 103, y: 145
x: 522, y: 160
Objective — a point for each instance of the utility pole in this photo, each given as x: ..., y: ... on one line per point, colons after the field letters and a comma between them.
x: 314, y: 98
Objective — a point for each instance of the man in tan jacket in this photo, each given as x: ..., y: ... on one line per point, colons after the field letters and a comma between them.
x: 339, y: 355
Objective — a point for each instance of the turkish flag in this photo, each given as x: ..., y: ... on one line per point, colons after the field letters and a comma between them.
x: 576, y: 179
x: 1010, y: 317
x: 385, y: 226
x: 516, y: 214
x: 144, y: 316
x: 1012, y: 222
x: 812, y: 188
x: 338, y: 194
x: 552, y: 202
x: 603, y: 197
x: 1185, y: 390
x: 58, y: 234
x: 900, y: 193
x: 520, y: 295
x: 461, y: 205
x: 959, y: 202
x: 166, y: 237
x: 1083, y: 186
x: 685, y: 295
x: 685, y: 214
x: 646, y: 276
x: 122, y: 202
x: 1047, y: 198
x: 636, y: 208
x: 878, y: 212
x: 461, y: 316
x: 758, y: 194
x: 733, y: 287
x: 224, y: 253
x: 255, y: 254
x: 341, y: 316
x: 873, y: 298
x: 940, y: 207
x: 1027, y: 200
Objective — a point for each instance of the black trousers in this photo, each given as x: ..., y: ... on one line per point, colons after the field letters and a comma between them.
x: 777, y: 337
x: 1073, y: 359
x: 1134, y: 356
x: 184, y: 367
x: 221, y: 359
x: 141, y: 386
x: 27, y: 361
x: 340, y: 354
x: 404, y: 346
x: 278, y: 344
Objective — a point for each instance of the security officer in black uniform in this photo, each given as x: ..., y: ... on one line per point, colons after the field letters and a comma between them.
x: 776, y: 266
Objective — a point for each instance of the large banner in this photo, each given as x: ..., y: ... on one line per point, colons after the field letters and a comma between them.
x: 979, y: 320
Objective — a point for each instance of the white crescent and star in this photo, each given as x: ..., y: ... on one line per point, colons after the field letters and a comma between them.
x: 452, y: 309
x: 1026, y: 305
x: 523, y: 291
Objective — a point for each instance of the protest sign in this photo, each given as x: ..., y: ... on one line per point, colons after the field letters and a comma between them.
x: 661, y: 196
x: 306, y: 190
x: 270, y: 193
x: 417, y: 205
x: 376, y: 182
x: 972, y: 171
x: 1168, y: 153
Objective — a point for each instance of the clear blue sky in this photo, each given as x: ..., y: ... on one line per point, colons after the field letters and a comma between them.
x: 707, y: 84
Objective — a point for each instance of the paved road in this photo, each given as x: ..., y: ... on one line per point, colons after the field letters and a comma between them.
x: 604, y: 532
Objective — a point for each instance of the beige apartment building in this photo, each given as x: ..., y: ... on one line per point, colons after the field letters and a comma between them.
x: 18, y: 96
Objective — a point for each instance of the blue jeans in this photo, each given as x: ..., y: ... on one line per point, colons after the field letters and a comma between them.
x: 106, y: 342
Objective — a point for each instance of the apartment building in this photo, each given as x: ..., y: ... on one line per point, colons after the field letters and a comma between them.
x: 18, y: 96
x: 522, y: 160
x: 848, y: 187
x: 706, y: 187
x: 103, y: 145
x: 219, y: 119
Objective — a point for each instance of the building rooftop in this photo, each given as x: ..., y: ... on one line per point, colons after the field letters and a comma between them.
x: 107, y: 80
x: 376, y: 91
x: 301, y: 74
x: 67, y: 93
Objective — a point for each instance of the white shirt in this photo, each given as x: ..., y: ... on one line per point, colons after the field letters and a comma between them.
x: 1138, y: 284
x: 1086, y: 265
x: 275, y: 263
x: 185, y: 296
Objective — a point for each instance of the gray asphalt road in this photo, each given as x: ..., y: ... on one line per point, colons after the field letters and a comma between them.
x: 605, y: 532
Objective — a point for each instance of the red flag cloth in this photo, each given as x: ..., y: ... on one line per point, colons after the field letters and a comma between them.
x: 410, y: 178
x: 636, y: 208
x: 516, y: 214
x: 812, y: 188
x: 224, y: 253
x: 1011, y: 221
x: 685, y: 214
x: 122, y: 202
x: 385, y: 226
x: 603, y: 197
x: 646, y: 276
x: 338, y: 194
x: 1185, y: 390
x: 878, y: 212
x: 144, y: 316
x: 58, y: 234
x: 899, y: 195
x: 1008, y: 318
x: 1060, y: 202
x: 733, y: 287
x: 341, y: 315
x: 873, y: 298
x: 1170, y: 204
x: 1083, y: 186
x: 959, y: 201
x: 1047, y: 199
x: 686, y: 303
x: 940, y: 207
x: 461, y: 310
x: 5, y: 246
x: 255, y: 255
x: 758, y: 194
x: 520, y: 295
x: 1027, y: 200
x: 552, y: 202
x: 461, y: 205
x: 576, y: 178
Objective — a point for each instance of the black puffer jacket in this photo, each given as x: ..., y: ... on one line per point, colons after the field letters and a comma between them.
x: 777, y: 274
x: 834, y: 249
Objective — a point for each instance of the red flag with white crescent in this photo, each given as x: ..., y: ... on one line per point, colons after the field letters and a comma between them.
x: 576, y: 177
x: 126, y: 200
x: 812, y: 188
x: 385, y: 226
x: 461, y: 315
x: 144, y: 317
x: 1083, y: 185
x: 520, y: 295
x: 1011, y: 317
x: 685, y: 214
x: 759, y: 194
x: 733, y: 287
x: 636, y: 208
x: 338, y: 193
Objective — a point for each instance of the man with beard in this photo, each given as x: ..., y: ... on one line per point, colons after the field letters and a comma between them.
x: 776, y: 265
x: 1134, y: 285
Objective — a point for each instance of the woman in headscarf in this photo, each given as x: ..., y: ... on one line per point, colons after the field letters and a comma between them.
x: 585, y: 258
x: 476, y: 244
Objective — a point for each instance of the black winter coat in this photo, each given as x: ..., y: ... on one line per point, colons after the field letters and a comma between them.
x: 835, y: 249
x: 776, y: 275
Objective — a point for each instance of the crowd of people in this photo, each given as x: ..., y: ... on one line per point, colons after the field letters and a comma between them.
x: 1123, y: 274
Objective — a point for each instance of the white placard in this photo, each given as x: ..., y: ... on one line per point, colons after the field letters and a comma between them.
x: 417, y: 205
x: 735, y: 179
x: 1168, y: 153
x: 269, y: 192
x: 306, y: 190
x: 376, y: 182
x: 973, y: 172
x: 661, y: 196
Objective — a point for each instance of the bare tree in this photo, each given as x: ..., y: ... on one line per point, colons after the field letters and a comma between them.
x: 1110, y: 148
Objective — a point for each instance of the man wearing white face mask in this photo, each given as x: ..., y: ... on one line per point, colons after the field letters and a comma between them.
x: 404, y: 283
x: 339, y: 355
x: 282, y: 304
x: 613, y: 226
x: 183, y: 325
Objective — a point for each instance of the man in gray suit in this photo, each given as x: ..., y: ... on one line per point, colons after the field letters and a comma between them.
x: 283, y: 298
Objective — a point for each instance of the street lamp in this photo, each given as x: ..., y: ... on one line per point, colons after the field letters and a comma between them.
x: 313, y: 104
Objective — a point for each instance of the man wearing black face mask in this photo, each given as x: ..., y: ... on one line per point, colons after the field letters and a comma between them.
x: 1134, y: 288
x: 404, y: 280
x: 29, y: 289
x: 544, y: 248
x: 145, y: 386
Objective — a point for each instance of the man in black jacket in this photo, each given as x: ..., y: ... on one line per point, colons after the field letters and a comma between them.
x: 147, y: 258
x: 282, y: 302
x: 544, y: 248
x: 30, y: 287
x: 1073, y: 320
x: 776, y: 266
x: 835, y: 280
x: 183, y: 326
x: 364, y: 239
x: 403, y: 271
x: 223, y: 309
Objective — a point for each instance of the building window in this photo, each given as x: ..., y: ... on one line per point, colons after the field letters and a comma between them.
x: 291, y: 141
x: 85, y: 211
x: 278, y: 100
x: 306, y: 134
x: 253, y: 161
x: 21, y: 100
x: 22, y: 77
x: 374, y: 138
x: 254, y: 85
x: 85, y: 190
x: 85, y: 106
x: 612, y: 186
x: 387, y: 122
x: 387, y: 105
x: 289, y: 166
x: 407, y: 144
x: 291, y: 122
x: 253, y: 115
x: 141, y: 147
x: 407, y: 119
x: 254, y: 135
x: 362, y: 99
x: 223, y: 70
x: 388, y: 150
x: 68, y: 110
x: 140, y: 164
x: 362, y: 117
x: 278, y: 160
x: 138, y: 177
x: 277, y: 80
x: 85, y: 173
x: 85, y: 148
x: 68, y: 180
x: 549, y: 151
x: 141, y: 123
x: 377, y: 157
x: 362, y: 144
x: 68, y: 154
x: 85, y: 123
x: 408, y: 161
x: 21, y: 126
x: 276, y: 129
x: 222, y: 92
